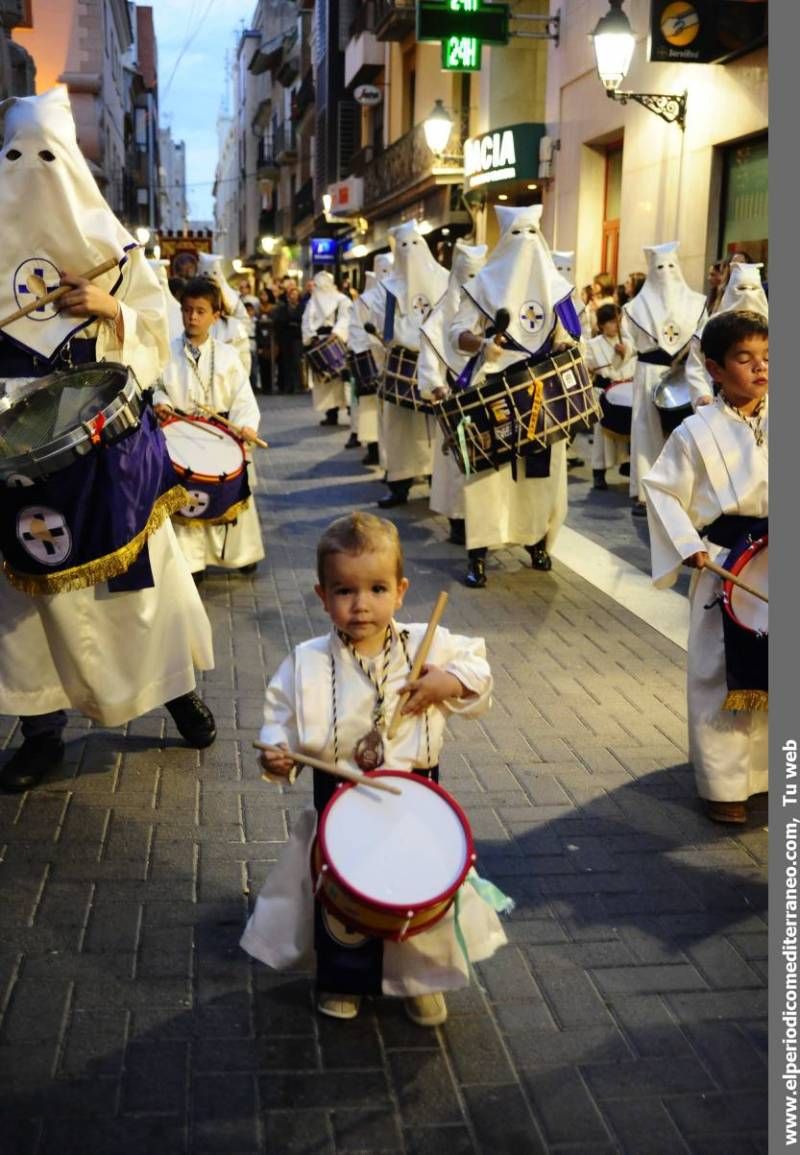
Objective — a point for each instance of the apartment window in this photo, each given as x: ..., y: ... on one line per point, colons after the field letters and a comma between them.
x: 609, y: 256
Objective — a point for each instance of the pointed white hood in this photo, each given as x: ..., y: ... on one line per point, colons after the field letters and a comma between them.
x: 666, y: 308
x: 744, y: 291
x: 52, y: 217
x: 210, y: 265
x: 417, y: 280
x: 520, y: 276
x: 564, y: 261
x: 468, y: 260
x: 173, y: 309
x: 324, y: 301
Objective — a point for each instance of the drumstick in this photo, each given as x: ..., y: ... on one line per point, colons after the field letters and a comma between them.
x: 237, y: 429
x: 419, y: 659
x: 54, y: 294
x: 737, y: 581
x: 182, y: 415
x: 328, y: 768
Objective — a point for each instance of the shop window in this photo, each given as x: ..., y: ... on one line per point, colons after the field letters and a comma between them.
x: 609, y: 255
x: 744, y: 226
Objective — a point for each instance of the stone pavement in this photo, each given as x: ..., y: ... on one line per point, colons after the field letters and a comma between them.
x: 627, y: 1015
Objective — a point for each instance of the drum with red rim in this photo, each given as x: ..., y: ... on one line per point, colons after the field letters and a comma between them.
x: 210, y: 463
x: 390, y: 865
x: 746, y: 624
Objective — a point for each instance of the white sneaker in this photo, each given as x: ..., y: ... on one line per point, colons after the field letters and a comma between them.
x: 427, y: 1010
x: 339, y: 1006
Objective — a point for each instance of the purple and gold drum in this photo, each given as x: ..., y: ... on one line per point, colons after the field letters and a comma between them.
x: 399, y: 384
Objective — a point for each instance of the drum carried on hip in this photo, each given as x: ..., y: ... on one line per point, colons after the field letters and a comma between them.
x: 399, y: 384
x: 388, y: 865
x: 210, y: 463
x: 529, y: 406
x: 745, y: 624
x: 366, y: 373
x: 327, y: 357
x: 616, y: 407
x: 672, y: 399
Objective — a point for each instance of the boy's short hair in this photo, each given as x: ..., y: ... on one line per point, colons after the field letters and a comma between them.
x: 203, y: 287
x: 358, y: 533
x: 725, y: 330
x: 607, y: 313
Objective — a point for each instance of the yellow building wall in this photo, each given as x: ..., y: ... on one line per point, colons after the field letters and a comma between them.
x: 53, y: 40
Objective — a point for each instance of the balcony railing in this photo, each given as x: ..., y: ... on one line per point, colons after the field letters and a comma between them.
x: 403, y: 164
x: 289, y: 64
x: 285, y: 143
x: 304, y: 202
x: 266, y: 161
x: 361, y: 159
x: 394, y: 19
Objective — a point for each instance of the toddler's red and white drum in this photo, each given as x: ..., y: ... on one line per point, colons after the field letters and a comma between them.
x: 210, y: 463
x: 389, y: 865
x: 746, y: 625
x: 327, y: 357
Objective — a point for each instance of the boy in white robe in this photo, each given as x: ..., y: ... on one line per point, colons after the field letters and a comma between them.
x: 205, y: 372
x: 231, y: 327
x: 324, y: 697
x: 613, y: 365
x: 327, y: 311
x: 111, y: 654
x: 707, y: 490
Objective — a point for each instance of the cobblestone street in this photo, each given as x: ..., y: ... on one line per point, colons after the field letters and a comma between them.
x: 627, y: 1015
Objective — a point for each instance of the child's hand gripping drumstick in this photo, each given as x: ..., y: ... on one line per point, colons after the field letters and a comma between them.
x: 326, y: 767
x: 419, y: 660
x: 703, y: 561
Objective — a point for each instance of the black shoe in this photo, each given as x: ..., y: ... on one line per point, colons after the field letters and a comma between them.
x: 199, y: 577
x: 392, y: 500
x: 458, y: 534
x: 371, y: 456
x: 28, y: 765
x: 574, y: 462
x: 540, y: 558
x: 625, y: 469
x: 249, y: 568
x: 476, y: 574
x: 194, y: 720
x: 352, y: 442
x: 331, y: 417
x: 599, y: 479
x: 639, y: 509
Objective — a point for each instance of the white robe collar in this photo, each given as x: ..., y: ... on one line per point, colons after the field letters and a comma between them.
x: 727, y: 447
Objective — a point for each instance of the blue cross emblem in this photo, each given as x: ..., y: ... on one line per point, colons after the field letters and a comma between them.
x: 34, y: 278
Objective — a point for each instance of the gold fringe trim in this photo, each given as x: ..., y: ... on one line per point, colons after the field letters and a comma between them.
x: 752, y: 700
x: 111, y: 565
x: 201, y: 522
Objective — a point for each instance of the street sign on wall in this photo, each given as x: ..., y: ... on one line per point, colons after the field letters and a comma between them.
x: 705, y: 31
x: 462, y: 26
x: 504, y: 154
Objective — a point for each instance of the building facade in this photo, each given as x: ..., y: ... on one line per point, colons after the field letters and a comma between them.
x: 173, y: 209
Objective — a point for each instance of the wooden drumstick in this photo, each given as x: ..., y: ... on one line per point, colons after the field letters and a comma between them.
x: 236, y: 429
x: 328, y: 768
x: 37, y: 302
x: 419, y: 659
x: 737, y: 581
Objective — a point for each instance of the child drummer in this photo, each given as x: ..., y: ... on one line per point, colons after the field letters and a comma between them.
x: 706, y: 491
x: 206, y: 374
x: 334, y: 696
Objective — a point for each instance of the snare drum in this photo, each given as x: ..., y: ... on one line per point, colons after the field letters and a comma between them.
x: 746, y: 625
x: 530, y: 406
x: 672, y: 399
x: 399, y: 384
x: 211, y: 464
x: 389, y: 865
x: 616, y: 407
x: 327, y: 358
x: 366, y: 373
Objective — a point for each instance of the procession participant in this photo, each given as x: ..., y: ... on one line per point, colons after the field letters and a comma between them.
x: 520, y: 277
x: 706, y: 491
x: 171, y: 304
x: 613, y: 364
x: 437, y: 357
x: 743, y: 293
x: 327, y: 311
x: 659, y: 323
x: 407, y: 296
x: 360, y: 341
x: 564, y: 262
x: 231, y: 327
x: 125, y: 645
x: 321, y: 699
x: 205, y: 372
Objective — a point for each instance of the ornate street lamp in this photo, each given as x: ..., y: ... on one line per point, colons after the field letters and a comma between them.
x: 613, y: 42
x: 437, y: 128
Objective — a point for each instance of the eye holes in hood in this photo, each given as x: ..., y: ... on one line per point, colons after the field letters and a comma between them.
x: 44, y: 153
x: 13, y: 154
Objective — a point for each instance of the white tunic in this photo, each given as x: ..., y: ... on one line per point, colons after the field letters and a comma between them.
x: 360, y: 341
x: 233, y: 331
x: 709, y: 466
x: 499, y: 510
x: 112, y: 656
x: 298, y: 711
x: 330, y: 394
x: 240, y: 543
x: 609, y: 449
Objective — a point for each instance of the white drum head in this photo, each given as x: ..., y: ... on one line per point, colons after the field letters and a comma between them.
x: 621, y: 394
x: 404, y: 850
x: 203, y: 448
x: 751, y: 611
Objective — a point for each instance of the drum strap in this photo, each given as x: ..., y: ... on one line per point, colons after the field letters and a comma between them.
x: 655, y: 357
